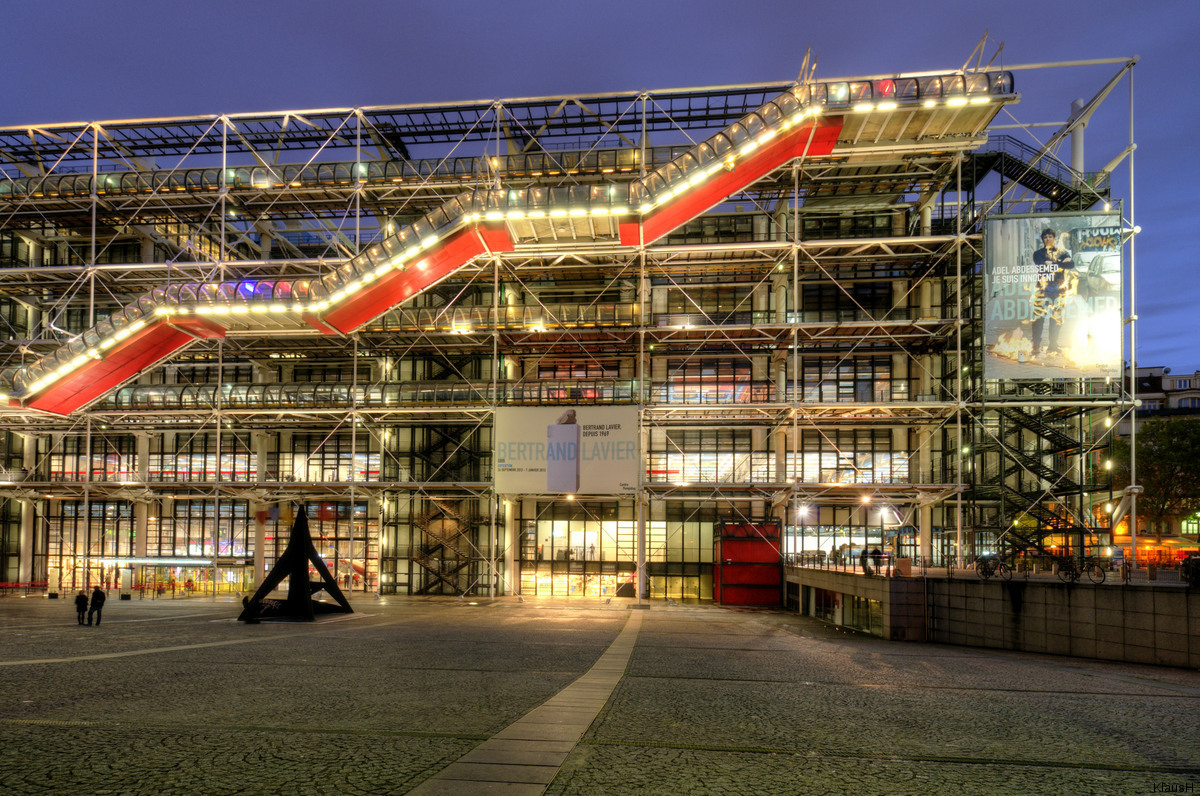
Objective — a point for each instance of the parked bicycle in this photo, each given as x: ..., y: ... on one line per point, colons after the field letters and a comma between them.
x: 1070, y: 570
x: 986, y: 566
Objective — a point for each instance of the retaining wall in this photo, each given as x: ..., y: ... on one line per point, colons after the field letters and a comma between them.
x: 1133, y: 623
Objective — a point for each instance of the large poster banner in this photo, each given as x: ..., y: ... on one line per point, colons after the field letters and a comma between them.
x: 578, y: 450
x: 1052, y: 296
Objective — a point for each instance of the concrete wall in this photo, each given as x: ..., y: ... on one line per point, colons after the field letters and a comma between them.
x: 1135, y: 623
x: 902, y: 598
x: 1138, y: 624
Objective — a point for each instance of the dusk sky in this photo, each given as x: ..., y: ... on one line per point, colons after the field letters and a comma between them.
x: 88, y: 60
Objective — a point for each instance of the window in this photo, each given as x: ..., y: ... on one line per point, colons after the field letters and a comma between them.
x: 850, y: 380
x: 719, y: 303
x: 195, y: 459
x: 844, y: 302
x: 1183, y: 384
x: 708, y: 381
x: 863, y: 456
x: 112, y: 459
x: 323, y: 459
x: 587, y: 369
x: 321, y: 372
x: 710, y: 456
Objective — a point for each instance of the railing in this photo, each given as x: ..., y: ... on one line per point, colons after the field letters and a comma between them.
x: 1035, y: 567
x: 339, y: 395
x: 1047, y: 164
x: 539, y: 318
x: 863, y: 561
x: 70, y: 183
x: 22, y: 588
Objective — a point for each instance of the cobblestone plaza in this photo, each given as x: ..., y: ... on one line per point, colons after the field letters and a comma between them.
x: 176, y: 696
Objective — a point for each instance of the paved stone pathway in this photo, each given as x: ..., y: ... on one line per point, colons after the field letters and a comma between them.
x: 431, y: 696
x: 524, y: 757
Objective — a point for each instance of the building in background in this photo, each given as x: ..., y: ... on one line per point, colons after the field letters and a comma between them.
x: 521, y: 346
x: 1166, y: 394
x: 1163, y: 395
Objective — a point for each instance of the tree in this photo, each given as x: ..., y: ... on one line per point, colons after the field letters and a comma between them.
x: 1168, y: 468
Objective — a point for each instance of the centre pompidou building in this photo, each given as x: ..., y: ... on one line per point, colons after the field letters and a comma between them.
x: 527, y: 346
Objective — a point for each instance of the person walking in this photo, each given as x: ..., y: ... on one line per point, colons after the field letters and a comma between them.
x: 97, y: 605
x: 81, y: 604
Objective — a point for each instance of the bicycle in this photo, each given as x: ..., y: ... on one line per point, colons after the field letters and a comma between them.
x: 1070, y: 571
x: 986, y: 566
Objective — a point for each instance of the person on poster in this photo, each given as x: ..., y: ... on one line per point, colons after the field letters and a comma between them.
x: 1056, y: 282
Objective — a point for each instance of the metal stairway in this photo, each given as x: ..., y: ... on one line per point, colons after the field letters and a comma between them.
x: 445, y: 549
x: 1024, y: 497
x: 1018, y: 162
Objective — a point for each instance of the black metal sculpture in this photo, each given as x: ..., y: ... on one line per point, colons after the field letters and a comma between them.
x: 293, y: 565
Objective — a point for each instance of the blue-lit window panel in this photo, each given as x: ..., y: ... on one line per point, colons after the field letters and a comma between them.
x: 653, y: 185
x: 787, y: 103
x: 102, y: 330
x: 737, y: 133
x: 705, y: 154
x: 579, y: 195
x: 422, y: 229
x: 227, y: 292
x: 73, y: 348
x: 492, y: 199
x: 754, y: 123
x: 930, y: 87
x: 209, y: 293
x: 978, y: 83
x: 685, y: 165
x: 538, y: 198
x: 439, y: 219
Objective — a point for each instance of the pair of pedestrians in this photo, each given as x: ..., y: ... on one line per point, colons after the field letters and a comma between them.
x: 97, y: 604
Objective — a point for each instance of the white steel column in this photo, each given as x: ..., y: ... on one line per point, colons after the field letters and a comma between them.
x: 511, y: 545
x: 1133, y: 518
x: 28, y: 513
